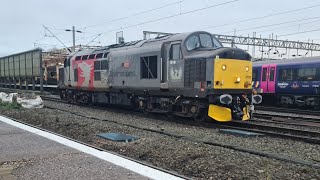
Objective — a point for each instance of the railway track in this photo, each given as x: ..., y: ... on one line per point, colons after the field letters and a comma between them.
x: 289, y: 110
x: 280, y: 116
x: 298, y: 123
x: 275, y: 131
x: 270, y: 130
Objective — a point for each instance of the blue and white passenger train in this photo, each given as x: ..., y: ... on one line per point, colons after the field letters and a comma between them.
x: 289, y: 81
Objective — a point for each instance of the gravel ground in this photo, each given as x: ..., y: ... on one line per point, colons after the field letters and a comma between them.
x: 294, y: 149
x: 192, y: 159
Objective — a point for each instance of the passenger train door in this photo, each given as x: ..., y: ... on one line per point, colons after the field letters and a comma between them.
x: 268, y: 78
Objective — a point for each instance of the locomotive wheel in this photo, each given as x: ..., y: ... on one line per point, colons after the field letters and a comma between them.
x: 139, y: 105
x: 203, y: 116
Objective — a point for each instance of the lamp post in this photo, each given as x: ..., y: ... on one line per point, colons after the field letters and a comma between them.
x: 74, y: 36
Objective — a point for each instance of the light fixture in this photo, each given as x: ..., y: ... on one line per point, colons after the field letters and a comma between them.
x: 238, y: 79
x: 247, y: 68
x: 224, y: 67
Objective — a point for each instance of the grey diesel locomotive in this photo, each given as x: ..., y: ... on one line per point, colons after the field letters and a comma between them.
x: 186, y: 74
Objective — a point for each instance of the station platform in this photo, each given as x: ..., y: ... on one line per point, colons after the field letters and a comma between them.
x: 30, y: 153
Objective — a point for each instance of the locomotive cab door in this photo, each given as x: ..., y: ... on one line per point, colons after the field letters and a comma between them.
x: 268, y: 78
x: 171, y: 65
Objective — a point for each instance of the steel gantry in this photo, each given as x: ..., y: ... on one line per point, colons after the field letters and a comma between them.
x: 256, y: 41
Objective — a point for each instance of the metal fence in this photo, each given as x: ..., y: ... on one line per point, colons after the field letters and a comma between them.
x: 22, y: 69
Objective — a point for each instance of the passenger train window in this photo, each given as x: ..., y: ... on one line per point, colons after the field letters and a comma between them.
x: 287, y: 74
x: 92, y: 56
x: 254, y: 75
x: 78, y: 58
x: 193, y: 42
x: 85, y: 57
x: 205, y: 40
x: 318, y: 74
x: 264, y: 74
x: 175, y: 52
x: 271, y: 78
x: 99, y: 55
x: 307, y: 74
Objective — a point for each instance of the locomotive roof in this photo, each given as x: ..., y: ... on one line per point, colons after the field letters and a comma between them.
x: 153, y: 42
x: 290, y: 61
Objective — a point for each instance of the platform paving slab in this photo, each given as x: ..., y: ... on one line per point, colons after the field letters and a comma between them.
x: 24, y: 155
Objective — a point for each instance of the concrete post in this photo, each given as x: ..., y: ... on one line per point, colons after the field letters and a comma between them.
x: 27, y: 83
x: 20, y: 82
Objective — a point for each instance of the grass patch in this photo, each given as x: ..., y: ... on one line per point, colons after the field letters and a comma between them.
x: 7, y: 105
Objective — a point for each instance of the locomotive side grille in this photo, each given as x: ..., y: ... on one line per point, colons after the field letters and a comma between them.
x: 194, y: 71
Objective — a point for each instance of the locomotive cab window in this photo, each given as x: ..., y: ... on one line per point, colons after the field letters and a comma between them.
x: 202, y: 41
x: 78, y: 58
x: 193, y: 43
x: 206, y: 40
x: 216, y: 43
x: 148, y: 66
x: 175, y: 52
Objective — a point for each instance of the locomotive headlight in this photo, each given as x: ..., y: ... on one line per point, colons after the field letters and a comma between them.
x: 238, y: 79
x: 247, y: 68
x: 224, y: 67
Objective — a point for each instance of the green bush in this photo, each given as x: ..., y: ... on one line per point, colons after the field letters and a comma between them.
x: 7, y: 105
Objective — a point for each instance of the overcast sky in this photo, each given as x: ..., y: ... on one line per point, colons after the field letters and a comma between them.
x: 21, y: 22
